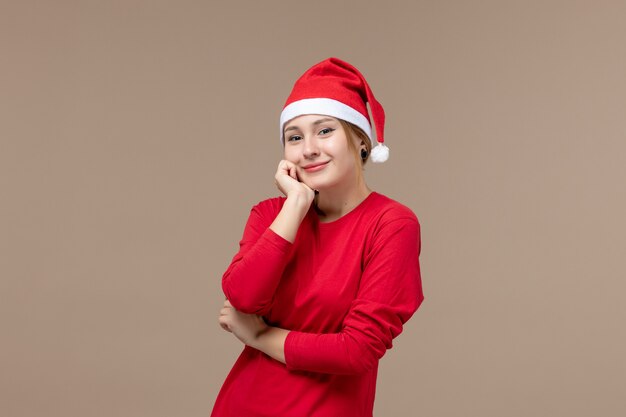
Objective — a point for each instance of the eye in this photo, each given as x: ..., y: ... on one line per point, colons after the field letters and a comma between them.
x: 294, y: 138
x: 326, y: 131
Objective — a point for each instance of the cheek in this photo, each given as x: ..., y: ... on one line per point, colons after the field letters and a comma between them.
x: 341, y: 151
x: 336, y: 147
x: 289, y: 154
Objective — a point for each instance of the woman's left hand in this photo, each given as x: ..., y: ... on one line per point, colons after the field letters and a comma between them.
x: 246, y: 327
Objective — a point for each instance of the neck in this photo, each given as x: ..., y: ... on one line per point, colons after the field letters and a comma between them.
x: 333, y: 204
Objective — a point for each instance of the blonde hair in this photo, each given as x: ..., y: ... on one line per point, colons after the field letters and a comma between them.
x: 354, y: 132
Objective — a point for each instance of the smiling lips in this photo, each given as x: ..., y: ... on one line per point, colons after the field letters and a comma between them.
x: 315, y: 167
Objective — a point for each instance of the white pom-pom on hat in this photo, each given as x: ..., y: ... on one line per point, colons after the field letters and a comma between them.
x: 380, y: 153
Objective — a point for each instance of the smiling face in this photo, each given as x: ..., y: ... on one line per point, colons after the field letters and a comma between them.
x: 318, y: 146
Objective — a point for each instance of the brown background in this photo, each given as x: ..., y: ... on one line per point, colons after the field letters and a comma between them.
x: 136, y: 135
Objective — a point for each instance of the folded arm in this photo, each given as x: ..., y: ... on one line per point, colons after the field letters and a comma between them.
x: 389, y: 294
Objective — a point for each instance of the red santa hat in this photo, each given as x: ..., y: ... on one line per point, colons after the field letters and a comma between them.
x: 335, y: 88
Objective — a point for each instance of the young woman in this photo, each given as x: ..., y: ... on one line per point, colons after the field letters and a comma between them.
x: 326, y: 276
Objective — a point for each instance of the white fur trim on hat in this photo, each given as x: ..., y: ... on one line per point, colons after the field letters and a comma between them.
x: 325, y: 106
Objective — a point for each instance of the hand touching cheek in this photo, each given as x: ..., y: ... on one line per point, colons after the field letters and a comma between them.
x: 286, y: 179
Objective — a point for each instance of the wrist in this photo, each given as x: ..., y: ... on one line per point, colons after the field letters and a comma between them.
x: 296, y: 206
x: 257, y: 341
x: 271, y: 341
x: 288, y: 220
x: 298, y: 200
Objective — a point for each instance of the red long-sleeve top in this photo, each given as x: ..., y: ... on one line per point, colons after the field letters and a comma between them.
x: 343, y: 289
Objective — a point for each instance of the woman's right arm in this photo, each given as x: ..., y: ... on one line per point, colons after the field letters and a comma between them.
x: 290, y: 216
x: 299, y: 199
x: 251, y: 279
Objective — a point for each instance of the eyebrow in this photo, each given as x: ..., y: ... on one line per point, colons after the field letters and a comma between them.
x: 315, y: 123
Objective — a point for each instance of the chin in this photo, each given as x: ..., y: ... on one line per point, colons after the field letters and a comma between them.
x: 321, y: 182
x: 319, y: 185
x: 314, y: 186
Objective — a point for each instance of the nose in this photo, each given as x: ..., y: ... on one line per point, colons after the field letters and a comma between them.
x: 310, y: 148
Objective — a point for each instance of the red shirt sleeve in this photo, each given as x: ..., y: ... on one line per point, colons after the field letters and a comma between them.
x: 254, y: 273
x: 390, y: 292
